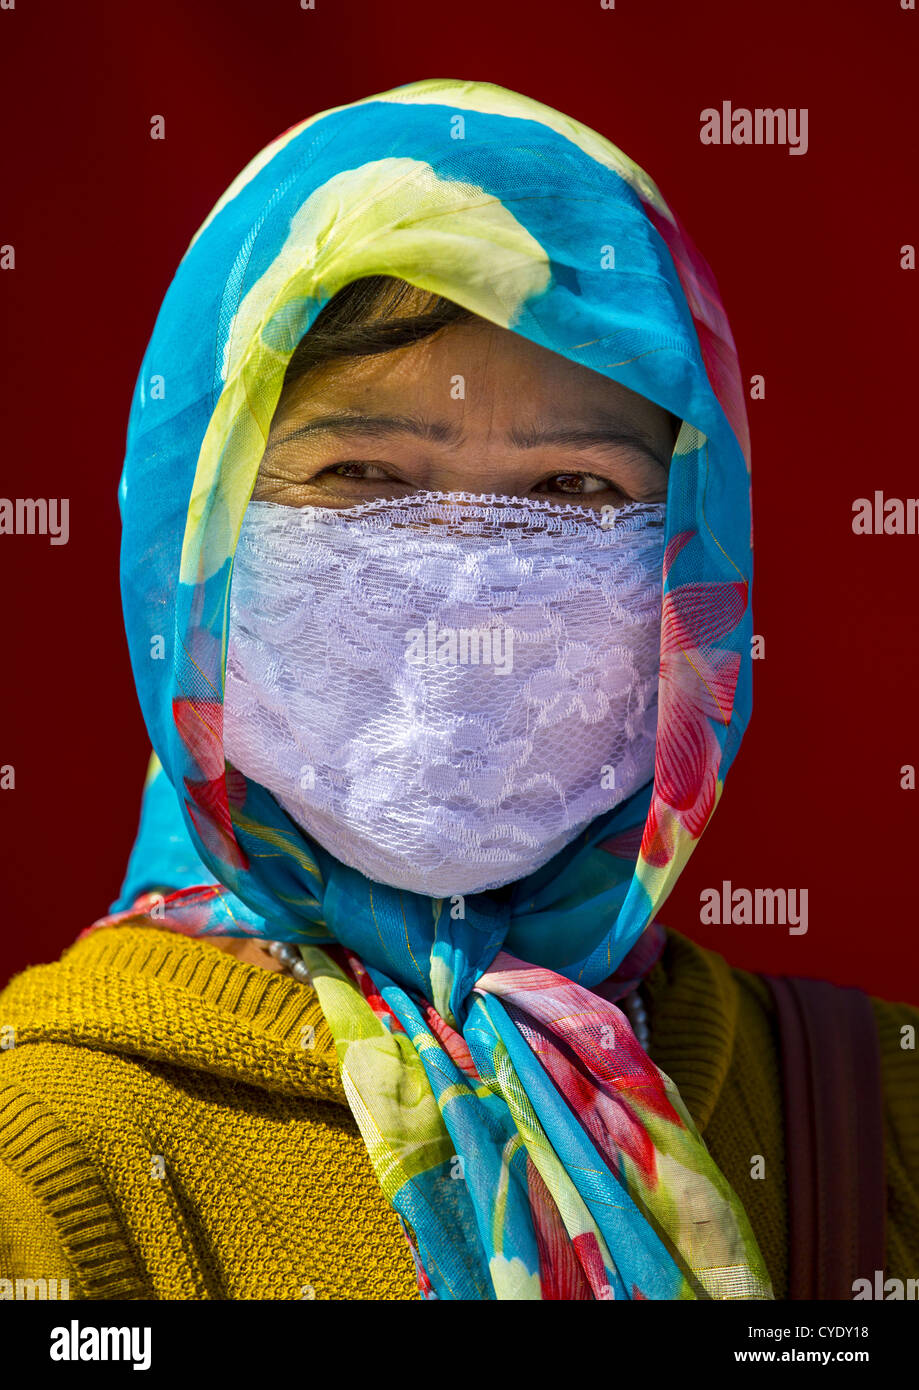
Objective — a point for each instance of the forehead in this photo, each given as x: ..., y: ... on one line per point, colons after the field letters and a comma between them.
x: 474, y: 367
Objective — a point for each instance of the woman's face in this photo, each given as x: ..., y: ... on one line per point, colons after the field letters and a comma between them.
x: 475, y: 408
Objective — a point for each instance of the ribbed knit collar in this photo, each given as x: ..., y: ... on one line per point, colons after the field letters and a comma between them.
x: 193, y: 1005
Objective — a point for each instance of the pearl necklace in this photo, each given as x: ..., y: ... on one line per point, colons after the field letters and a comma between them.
x: 289, y: 959
x: 292, y: 963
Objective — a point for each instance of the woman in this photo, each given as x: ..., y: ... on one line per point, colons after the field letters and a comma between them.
x: 444, y: 390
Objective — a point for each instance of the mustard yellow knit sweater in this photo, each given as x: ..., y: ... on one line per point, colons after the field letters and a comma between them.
x: 165, y: 1134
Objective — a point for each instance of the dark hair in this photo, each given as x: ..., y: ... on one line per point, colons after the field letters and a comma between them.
x: 377, y: 313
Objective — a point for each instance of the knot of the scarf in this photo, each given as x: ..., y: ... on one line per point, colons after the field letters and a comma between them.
x: 435, y: 948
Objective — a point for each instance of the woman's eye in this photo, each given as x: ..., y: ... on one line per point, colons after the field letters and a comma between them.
x: 357, y: 470
x: 579, y: 483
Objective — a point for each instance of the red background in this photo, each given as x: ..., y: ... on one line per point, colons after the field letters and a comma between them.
x: 806, y: 252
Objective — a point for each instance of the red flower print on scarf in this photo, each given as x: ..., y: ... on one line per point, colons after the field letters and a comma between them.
x: 200, y: 726
x: 697, y: 686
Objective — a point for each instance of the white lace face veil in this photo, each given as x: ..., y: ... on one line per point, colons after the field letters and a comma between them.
x: 445, y: 689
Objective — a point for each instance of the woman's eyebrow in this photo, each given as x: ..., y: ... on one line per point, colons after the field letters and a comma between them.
x: 347, y: 423
x: 601, y: 431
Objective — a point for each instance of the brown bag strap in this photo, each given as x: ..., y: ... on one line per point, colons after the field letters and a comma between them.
x: 834, y: 1136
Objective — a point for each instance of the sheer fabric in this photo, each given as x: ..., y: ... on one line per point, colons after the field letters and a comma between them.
x: 445, y: 689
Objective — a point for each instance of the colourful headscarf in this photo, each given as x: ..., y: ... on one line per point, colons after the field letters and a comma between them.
x: 529, y: 1145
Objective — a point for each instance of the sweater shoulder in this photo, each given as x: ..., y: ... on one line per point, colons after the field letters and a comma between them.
x: 57, y: 1218
x: 176, y: 1115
